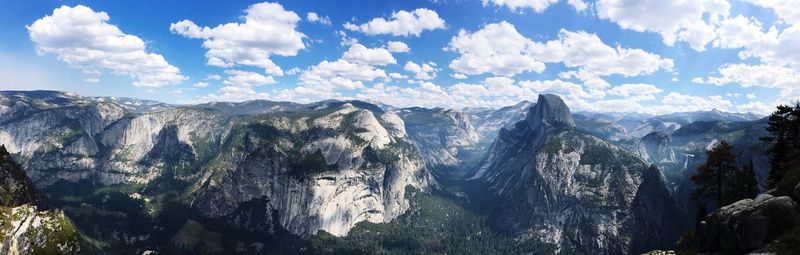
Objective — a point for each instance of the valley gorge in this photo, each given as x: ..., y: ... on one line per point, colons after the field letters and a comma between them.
x: 333, y: 177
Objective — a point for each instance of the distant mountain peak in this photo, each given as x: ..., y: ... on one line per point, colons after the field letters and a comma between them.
x: 550, y: 110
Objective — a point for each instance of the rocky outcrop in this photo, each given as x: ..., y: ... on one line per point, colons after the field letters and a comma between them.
x: 324, y: 166
x: 15, y: 187
x: 25, y: 226
x: 557, y: 185
x: 748, y: 224
x: 25, y: 230
x: 345, y: 167
x: 656, y: 147
x: 488, y: 122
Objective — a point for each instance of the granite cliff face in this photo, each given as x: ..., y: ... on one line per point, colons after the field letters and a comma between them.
x: 748, y: 224
x: 488, y: 122
x: 324, y: 166
x: 26, y: 227
x: 328, y: 172
x: 440, y: 134
x: 558, y: 185
x: 656, y: 147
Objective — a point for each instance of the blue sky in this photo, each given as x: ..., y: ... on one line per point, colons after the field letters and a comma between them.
x: 604, y: 55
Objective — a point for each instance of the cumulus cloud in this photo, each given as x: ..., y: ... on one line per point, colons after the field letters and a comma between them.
x: 325, y: 79
x: 786, y: 10
x: 84, y: 39
x: 756, y: 107
x: 497, y: 49
x: 401, y: 23
x: 267, y: 30
x: 491, y: 92
x: 232, y: 94
x: 247, y: 79
x: 459, y: 76
x: 560, y: 87
x: 755, y: 75
x: 313, y: 17
x: 688, y: 21
x: 740, y: 31
x: 425, y: 71
x: 239, y: 86
x: 397, y: 76
x: 676, y: 102
x: 370, y: 56
x: 588, y: 52
x: 500, y: 50
x: 535, y: 5
x: 397, y: 47
x: 635, y: 89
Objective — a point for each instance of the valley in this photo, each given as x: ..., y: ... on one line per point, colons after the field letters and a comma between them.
x: 352, y: 177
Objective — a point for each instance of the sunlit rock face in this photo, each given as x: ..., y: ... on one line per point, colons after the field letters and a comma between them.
x: 367, y: 164
x: 748, y: 224
x: 656, y: 147
x: 325, y: 166
x: 26, y: 226
x: 561, y: 186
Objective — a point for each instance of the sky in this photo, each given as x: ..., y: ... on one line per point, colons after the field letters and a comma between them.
x: 607, y: 55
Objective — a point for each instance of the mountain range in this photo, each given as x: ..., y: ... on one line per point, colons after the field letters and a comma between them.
x: 136, y: 176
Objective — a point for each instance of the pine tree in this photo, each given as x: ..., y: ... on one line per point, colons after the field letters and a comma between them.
x: 701, y: 214
x: 714, y: 175
x: 742, y: 185
x: 784, y: 128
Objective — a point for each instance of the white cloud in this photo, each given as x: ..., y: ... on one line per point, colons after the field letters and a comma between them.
x: 750, y: 96
x: 200, y: 84
x: 313, y: 17
x: 401, y: 23
x: 514, y: 5
x: 232, y: 94
x: 755, y: 107
x: 579, y: 5
x: 459, y: 76
x: 92, y: 80
x: 589, y: 53
x: 590, y: 80
x: 395, y: 46
x: 497, y: 49
x: 293, y: 71
x: 323, y: 80
x: 535, y: 5
x: 370, y: 56
x: 786, y: 10
x: 267, y: 30
x: 84, y: 39
x: 247, y: 79
x: 635, y: 89
x: 689, y: 21
x: 767, y: 76
x: 783, y: 49
x: 676, y: 102
x: 564, y: 88
x: 500, y: 50
x: 422, y: 72
x: 397, y: 76
x: 215, y: 77
x: 740, y: 31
